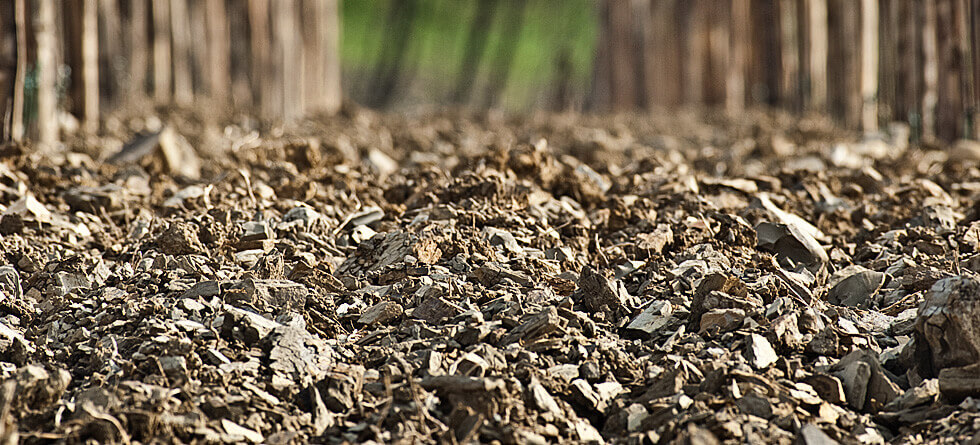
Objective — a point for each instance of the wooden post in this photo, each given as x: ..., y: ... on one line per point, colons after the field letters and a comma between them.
x: 161, y: 51
x: 47, y: 69
x: 869, y: 64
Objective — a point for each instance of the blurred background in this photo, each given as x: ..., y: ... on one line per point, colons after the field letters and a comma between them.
x: 65, y: 65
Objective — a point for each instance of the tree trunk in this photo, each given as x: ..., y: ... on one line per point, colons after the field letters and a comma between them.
x: 290, y: 60
x: 789, y: 47
x: 17, y: 108
x: 869, y: 65
x: 218, y: 50
x: 258, y: 19
x: 663, y: 59
x: 740, y: 47
x: 47, y: 73
x: 930, y: 75
x: 90, y: 65
x: 697, y: 52
x: 110, y: 50
x: 719, y: 43
x: 161, y: 51
x: 476, y: 41
x: 331, y: 92
x: 321, y: 63
x: 503, y: 58
x: 137, y: 49
x: 181, y: 40
x: 819, y: 46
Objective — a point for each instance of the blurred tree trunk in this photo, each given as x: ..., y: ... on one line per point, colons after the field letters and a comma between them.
x: 137, y: 48
x: 218, y: 50
x: 869, y: 65
x: 663, y: 59
x: 719, y: 43
x: 258, y: 19
x: 973, y: 10
x: 503, y: 59
x: 950, y: 112
x: 391, y: 58
x: 161, y: 51
x: 290, y: 59
x: 818, y: 48
x: 321, y: 47
x: 697, y: 52
x: 765, y: 54
x: 239, y: 61
x: 45, y: 29
x: 735, y: 82
x: 180, y: 33
x: 789, y: 46
x: 200, y: 59
x: 17, y: 105
x: 888, y: 59
x: 615, y: 85
x: 332, y: 93
x: 930, y: 70
x: 8, y: 66
x: 907, y: 85
x: 476, y: 42
x: 111, y: 53
x: 90, y: 65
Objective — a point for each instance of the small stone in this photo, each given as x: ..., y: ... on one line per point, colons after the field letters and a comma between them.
x: 947, y: 330
x: 925, y: 393
x: 180, y: 238
x: 812, y: 435
x: 543, y: 401
x: 759, y: 352
x: 856, y: 288
x: 828, y: 387
x: 237, y: 431
x: 381, y: 313
x: 654, y: 318
x: 598, y: 293
x: 724, y: 320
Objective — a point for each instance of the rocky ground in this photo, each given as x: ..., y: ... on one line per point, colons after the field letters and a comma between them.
x: 454, y: 278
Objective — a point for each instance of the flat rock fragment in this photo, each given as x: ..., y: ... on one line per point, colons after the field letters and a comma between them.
x: 856, y: 288
x: 759, y: 352
x: 653, y: 318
